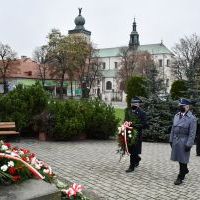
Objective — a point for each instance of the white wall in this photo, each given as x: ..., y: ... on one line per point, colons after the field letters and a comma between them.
x: 165, y: 73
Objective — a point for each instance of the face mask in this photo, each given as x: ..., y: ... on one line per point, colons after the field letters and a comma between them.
x: 134, y: 107
x: 182, y: 109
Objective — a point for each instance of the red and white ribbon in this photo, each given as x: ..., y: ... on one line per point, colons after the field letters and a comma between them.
x: 126, y: 145
x: 32, y: 169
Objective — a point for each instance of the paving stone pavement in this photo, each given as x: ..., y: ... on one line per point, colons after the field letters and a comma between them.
x: 96, y: 165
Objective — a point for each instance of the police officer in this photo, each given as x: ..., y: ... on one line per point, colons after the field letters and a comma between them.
x: 138, y: 117
x: 182, y: 138
x: 198, y: 139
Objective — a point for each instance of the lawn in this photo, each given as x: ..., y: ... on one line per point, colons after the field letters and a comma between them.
x: 119, y: 112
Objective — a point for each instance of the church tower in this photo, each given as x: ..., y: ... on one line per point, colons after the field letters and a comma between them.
x: 80, y: 30
x: 134, y: 38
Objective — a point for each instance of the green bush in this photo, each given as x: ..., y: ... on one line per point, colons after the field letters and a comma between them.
x: 31, y: 107
x: 160, y: 117
x: 72, y: 118
x: 102, y: 122
x: 67, y: 120
x: 22, y: 104
x: 179, y: 89
x: 136, y: 86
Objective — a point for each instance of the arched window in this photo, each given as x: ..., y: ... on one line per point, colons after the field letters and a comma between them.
x: 108, y: 85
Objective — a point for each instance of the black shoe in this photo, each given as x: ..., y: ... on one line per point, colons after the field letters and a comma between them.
x: 178, y: 181
x: 187, y: 171
x: 198, y: 154
x: 130, y: 169
x: 136, y: 164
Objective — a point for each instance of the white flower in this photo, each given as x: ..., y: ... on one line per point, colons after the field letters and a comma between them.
x: 21, y: 153
x: 130, y: 135
x: 27, y: 159
x: 119, y: 129
x: 11, y: 164
x: 4, y: 147
x: 129, y: 131
x: 37, y: 166
x: 123, y: 128
x: 4, y: 168
x: 122, y: 133
x: 46, y: 171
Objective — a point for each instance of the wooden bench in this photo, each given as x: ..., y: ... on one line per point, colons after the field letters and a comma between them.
x: 8, y: 128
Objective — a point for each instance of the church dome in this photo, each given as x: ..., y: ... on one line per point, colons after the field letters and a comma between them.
x: 79, y: 20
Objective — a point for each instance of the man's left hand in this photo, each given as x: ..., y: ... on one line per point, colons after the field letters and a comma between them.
x: 187, y: 148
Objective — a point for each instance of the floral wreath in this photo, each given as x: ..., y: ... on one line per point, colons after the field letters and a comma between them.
x: 19, y: 164
x: 127, y: 136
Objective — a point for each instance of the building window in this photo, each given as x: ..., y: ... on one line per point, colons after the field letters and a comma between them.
x: 168, y: 62
x: 108, y: 85
x: 116, y: 65
x: 103, y: 65
x: 160, y: 63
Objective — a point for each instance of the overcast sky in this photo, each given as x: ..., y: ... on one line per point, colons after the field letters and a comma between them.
x: 24, y: 24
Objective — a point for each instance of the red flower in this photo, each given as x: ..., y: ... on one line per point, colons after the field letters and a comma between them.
x: 16, y: 178
x: 24, y: 159
x: 25, y: 151
x: 12, y: 170
x: 8, y: 145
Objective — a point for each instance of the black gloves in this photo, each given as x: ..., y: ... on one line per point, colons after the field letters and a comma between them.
x: 187, y: 148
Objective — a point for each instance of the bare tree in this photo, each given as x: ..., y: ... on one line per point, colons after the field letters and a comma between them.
x: 59, y: 57
x: 41, y: 56
x: 94, y: 68
x: 89, y: 71
x: 128, y: 63
x: 7, y: 63
x: 187, y: 54
x: 137, y: 63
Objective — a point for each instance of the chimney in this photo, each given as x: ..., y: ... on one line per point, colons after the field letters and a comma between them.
x: 23, y: 57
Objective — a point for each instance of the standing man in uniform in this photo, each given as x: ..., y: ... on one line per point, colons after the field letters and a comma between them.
x: 182, y: 138
x: 138, y: 117
x: 198, y: 140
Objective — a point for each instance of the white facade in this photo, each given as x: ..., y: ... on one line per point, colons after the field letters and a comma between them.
x: 108, y: 85
x: 111, y: 64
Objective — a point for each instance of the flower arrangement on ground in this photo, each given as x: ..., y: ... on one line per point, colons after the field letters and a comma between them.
x: 127, y: 136
x: 73, y: 192
x: 19, y: 164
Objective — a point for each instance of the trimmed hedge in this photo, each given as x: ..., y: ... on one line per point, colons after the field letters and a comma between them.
x: 72, y: 118
x: 179, y: 89
x: 22, y: 104
x: 136, y: 86
x: 32, y: 109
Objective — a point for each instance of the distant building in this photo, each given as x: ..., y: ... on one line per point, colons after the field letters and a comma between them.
x: 109, y: 85
x: 26, y: 72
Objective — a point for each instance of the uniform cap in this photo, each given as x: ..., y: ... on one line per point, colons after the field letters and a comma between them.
x: 136, y: 100
x: 184, y: 102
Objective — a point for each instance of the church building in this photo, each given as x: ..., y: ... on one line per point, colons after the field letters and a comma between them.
x: 108, y: 84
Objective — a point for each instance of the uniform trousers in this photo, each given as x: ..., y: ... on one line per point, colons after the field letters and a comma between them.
x: 183, y: 170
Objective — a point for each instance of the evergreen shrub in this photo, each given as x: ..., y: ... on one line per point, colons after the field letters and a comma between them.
x: 102, y: 122
x: 136, y: 86
x: 179, y: 89
x: 160, y: 116
x: 22, y: 104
